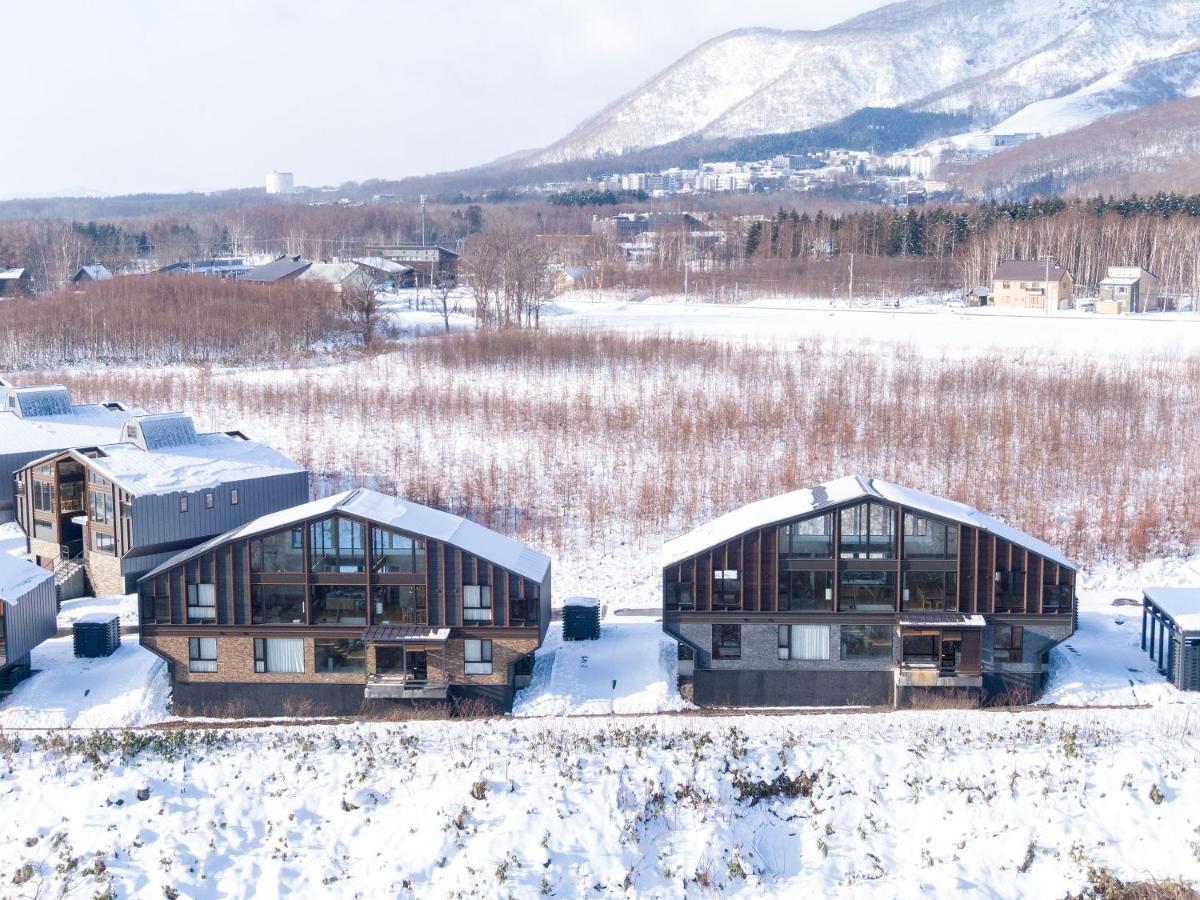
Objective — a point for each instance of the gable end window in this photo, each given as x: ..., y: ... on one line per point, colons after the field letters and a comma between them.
x: 209, y: 501
x: 477, y: 603
x: 202, y: 603
x: 183, y: 506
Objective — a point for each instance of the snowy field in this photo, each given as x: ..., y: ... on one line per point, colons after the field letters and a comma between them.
x: 604, y: 782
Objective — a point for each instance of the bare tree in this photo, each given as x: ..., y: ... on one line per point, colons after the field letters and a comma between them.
x: 361, y: 305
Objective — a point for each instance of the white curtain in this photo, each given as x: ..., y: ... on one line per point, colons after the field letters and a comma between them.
x: 810, y: 642
x: 285, y: 655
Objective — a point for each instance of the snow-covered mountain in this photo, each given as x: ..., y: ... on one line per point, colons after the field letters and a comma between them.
x: 995, y: 60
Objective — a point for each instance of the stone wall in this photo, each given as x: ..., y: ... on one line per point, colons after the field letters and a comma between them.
x: 104, y: 573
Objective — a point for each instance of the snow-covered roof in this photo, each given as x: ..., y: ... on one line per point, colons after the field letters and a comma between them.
x: 18, y: 577
x: 1119, y: 281
x: 96, y: 272
x: 383, y: 265
x: 10, y: 273
x: 402, y: 515
x: 786, y: 507
x: 276, y: 270
x: 207, y: 462
x: 44, y: 400
x: 83, y: 426
x: 328, y: 273
x: 1182, y: 604
x: 1028, y: 270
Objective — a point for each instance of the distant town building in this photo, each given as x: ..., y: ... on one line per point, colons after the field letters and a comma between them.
x: 280, y: 182
x: 1032, y: 284
x: 282, y: 269
x: 13, y: 280
x: 1128, y: 289
x: 95, y: 272
x: 429, y: 264
x: 228, y: 267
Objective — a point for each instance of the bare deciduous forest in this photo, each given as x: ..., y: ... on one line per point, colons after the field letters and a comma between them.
x: 569, y: 437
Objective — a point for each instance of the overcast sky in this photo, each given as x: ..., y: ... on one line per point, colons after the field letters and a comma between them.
x: 173, y: 95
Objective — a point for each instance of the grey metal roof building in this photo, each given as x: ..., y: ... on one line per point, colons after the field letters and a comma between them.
x: 1171, y: 633
x: 28, y: 614
x: 38, y: 420
x: 278, y: 270
x: 128, y: 505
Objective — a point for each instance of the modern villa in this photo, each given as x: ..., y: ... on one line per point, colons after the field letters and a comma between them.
x: 863, y: 592
x: 347, y: 604
x: 122, y: 508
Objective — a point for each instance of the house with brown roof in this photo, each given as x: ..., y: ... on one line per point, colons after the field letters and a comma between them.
x: 1032, y: 284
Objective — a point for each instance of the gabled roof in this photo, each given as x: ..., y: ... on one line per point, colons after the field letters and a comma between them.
x: 95, y: 272
x: 390, y: 266
x: 328, y: 273
x: 1028, y: 270
x: 1114, y: 281
x: 46, y: 421
x: 10, y: 273
x: 392, y: 512
x: 786, y: 507
x: 18, y: 577
x: 277, y: 270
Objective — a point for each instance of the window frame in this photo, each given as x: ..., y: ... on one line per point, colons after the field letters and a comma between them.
x: 197, y: 661
x: 1015, y: 643
x: 722, y: 646
x: 787, y: 644
x: 483, y: 664
x: 481, y: 593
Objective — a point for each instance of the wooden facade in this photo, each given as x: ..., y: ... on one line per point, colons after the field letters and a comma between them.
x: 954, y: 597
x: 445, y: 624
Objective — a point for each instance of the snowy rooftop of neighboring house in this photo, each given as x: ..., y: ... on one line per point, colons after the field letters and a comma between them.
x: 403, y: 515
x: 383, y: 265
x: 328, y: 273
x: 1028, y: 270
x: 276, y: 270
x: 1117, y: 281
x: 96, y: 272
x: 786, y: 507
x: 18, y: 576
x: 177, y: 459
x: 8, y: 273
x: 45, y: 420
x: 1182, y: 604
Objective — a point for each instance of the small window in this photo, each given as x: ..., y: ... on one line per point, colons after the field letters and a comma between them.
x: 131, y: 432
x: 727, y: 589
x: 201, y: 603
x: 183, y: 503
x: 727, y: 641
x: 279, y: 655
x: 478, y: 657
x: 208, y: 500
x: 477, y: 603
x: 233, y: 497
x: 1007, y: 641
x: 202, y: 654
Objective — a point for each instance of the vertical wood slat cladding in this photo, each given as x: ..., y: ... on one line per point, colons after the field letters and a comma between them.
x: 771, y: 564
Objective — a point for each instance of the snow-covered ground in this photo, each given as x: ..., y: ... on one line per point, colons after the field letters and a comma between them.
x: 931, y: 327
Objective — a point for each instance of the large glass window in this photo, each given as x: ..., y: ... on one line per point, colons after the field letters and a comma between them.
x: 866, y: 641
x: 279, y: 655
x: 391, y: 552
x: 400, y: 604
x: 100, y: 507
x: 1055, y: 597
x: 808, y: 538
x: 727, y: 642
x: 278, y: 604
x: 867, y: 591
x: 926, y: 538
x: 477, y: 656
x: 201, y: 603
x: 1007, y: 643
x: 921, y: 649
x: 336, y: 545
x: 681, y: 595
x: 104, y: 543
x: 340, y: 656
x: 202, y: 654
x: 477, y: 603
x: 282, y: 551
x: 800, y: 591
x: 525, y: 610
x: 71, y: 498
x: 930, y: 590
x: 1010, y: 590
x: 868, y: 531
x: 727, y: 589
x: 804, y: 642
x: 43, y: 496
x: 339, y: 604
x: 156, y: 608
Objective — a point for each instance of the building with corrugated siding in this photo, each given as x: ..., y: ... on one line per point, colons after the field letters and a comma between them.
x: 38, y: 420
x: 355, y: 601
x: 28, y: 615
x: 863, y: 592
x: 1171, y: 633
x: 126, y: 506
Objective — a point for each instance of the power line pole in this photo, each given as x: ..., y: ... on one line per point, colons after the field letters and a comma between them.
x: 851, y: 279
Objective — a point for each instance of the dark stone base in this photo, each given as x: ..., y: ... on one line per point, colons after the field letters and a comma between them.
x: 1012, y: 689
x: 826, y: 687
x: 240, y: 700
